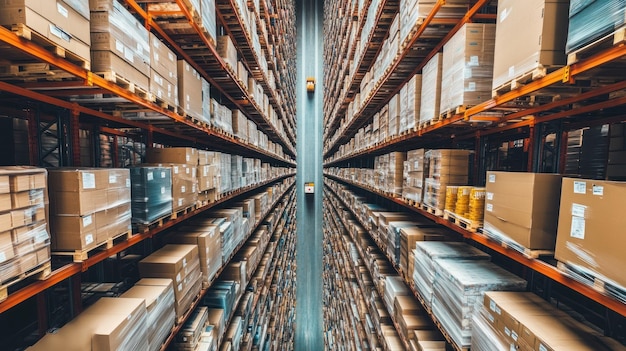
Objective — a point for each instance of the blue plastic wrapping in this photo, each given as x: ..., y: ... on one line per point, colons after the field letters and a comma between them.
x: 590, y: 20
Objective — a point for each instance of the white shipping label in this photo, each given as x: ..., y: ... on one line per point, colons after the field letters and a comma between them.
x: 178, y: 278
x: 489, y: 207
x: 184, y: 262
x: 112, y: 179
x: 175, y: 169
x: 180, y: 202
x: 489, y: 196
x: 88, y: 239
x: 473, y: 60
x: 128, y: 182
x: 492, y: 305
x: 580, y: 187
x: 3, y: 257
x: 492, y: 178
x: 183, y: 189
x: 491, y: 318
x: 514, y: 335
x: 471, y: 86
x: 416, y: 165
x: 119, y: 46
x: 87, y: 220
x: 58, y: 32
x: 542, y: 348
x: 507, y: 331
x: 129, y: 55
x: 162, y: 190
x: 89, y: 180
x: 187, y: 158
x: 162, y: 175
x: 577, y: 230
x: 41, y: 236
x: 598, y: 190
x: 578, y: 210
x: 180, y: 287
x: 512, y: 347
x: 62, y: 10
x: 155, y: 56
x: 511, y: 71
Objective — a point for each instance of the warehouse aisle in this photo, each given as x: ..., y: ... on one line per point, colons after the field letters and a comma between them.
x: 309, y: 147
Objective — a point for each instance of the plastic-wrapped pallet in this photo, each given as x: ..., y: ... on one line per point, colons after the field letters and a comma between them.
x: 164, y: 72
x: 222, y: 295
x: 431, y: 89
x: 24, y: 233
x: 425, y: 254
x: 107, y: 325
x: 530, y: 36
x: 467, y: 67
x: 591, y: 20
x: 120, y: 44
x: 180, y: 263
x: 207, y: 9
x: 151, y: 193
x: 190, y: 334
x: 459, y: 286
x: 410, y: 102
x: 160, y: 310
x: 446, y: 167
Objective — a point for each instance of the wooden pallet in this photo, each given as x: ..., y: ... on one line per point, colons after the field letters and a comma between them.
x: 411, y: 202
x: 181, y: 212
x: 600, y: 284
x: 114, y: 77
x: 612, y: 39
x: 34, y: 72
x: 462, y: 222
x: 83, y: 255
x: 166, y: 105
x: 22, y: 30
x: 519, y: 81
x: 446, y: 335
x: 432, y: 210
x: 453, y: 112
x: 509, y: 244
x: 429, y: 123
x: 41, y: 272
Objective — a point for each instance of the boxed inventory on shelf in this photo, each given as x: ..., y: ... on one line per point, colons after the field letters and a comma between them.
x: 592, y: 20
x: 523, y: 321
x: 208, y: 240
x: 467, y: 67
x: 164, y: 74
x: 160, y: 310
x: 431, y: 89
x: 189, y: 90
x: 120, y: 44
x: 588, y: 239
x: 108, y: 324
x: 227, y: 50
x: 446, y: 167
x: 529, y: 36
x: 24, y: 237
x: 151, y: 193
x: 522, y: 209
x: 181, y: 264
x: 410, y: 102
x: 65, y: 23
x: 88, y: 206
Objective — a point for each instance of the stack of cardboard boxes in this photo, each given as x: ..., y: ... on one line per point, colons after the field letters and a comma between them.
x: 413, y: 178
x: 446, y: 167
x: 181, y: 264
x: 410, y: 102
x: 183, y: 163
x: 208, y: 176
x: 120, y: 44
x: 24, y: 239
x: 88, y: 206
x: 164, y: 74
x: 190, y: 91
x: 431, y: 89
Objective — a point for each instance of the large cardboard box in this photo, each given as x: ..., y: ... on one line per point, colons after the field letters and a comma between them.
x: 589, y: 235
x: 189, y: 90
x: 57, y: 21
x: 529, y: 35
x: 180, y: 155
x: 522, y: 208
x: 163, y: 60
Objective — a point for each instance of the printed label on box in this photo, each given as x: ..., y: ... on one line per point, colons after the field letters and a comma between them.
x: 58, y: 32
x: 89, y: 180
x: 88, y: 239
x: 578, y: 210
x: 175, y: 169
x: 492, y: 178
x: 598, y: 190
x: 182, y: 189
x: 578, y: 228
x: 3, y: 257
x: 162, y: 175
x: 62, y: 10
x: 489, y: 196
x: 87, y: 221
x: 128, y: 182
x: 514, y: 335
x: 580, y: 187
x: 112, y: 179
x: 162, y: 190
x: 119, y: 46
x: 489, y: 207
x: 178, y: 278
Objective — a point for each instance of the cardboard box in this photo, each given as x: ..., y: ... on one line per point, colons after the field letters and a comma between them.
x: 529, y: 35
x: 78, y: 179
x: 27, y: 199
x: 178, y: 155
x: 5, y: 186
x: 6, y: 247
x: 108, y: 61
x: 74, y: 233
x: 55, y: 20
x: 24, y: 182
x: 189, y: 90
x: 163, y: 89
x: 588, y: 235
x: 77, y: 203
x: 523, y: 208
x: 163, y: 60
x: 227, y: 50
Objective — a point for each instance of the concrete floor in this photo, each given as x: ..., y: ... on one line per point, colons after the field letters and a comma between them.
x: 309, y: 334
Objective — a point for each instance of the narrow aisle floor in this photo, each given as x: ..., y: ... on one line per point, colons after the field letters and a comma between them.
x: 309, y: 334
